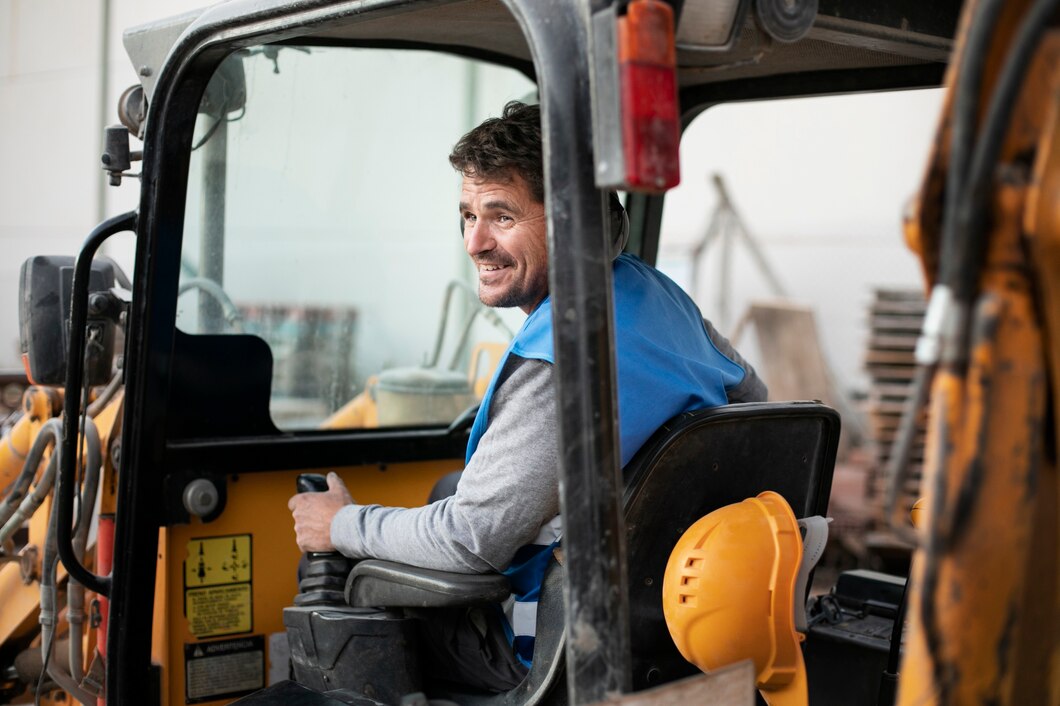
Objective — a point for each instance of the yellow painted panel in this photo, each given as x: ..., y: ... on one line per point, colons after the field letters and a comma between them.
x: 256, y: 516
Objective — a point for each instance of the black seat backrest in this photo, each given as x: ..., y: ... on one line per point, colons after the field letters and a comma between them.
x: 694, y: 464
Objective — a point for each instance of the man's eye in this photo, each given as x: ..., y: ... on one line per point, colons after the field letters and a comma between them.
x: 504, y: 218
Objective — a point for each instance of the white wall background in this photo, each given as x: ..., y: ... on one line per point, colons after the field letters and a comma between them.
x: 51, y: 194
x: 820, y: 182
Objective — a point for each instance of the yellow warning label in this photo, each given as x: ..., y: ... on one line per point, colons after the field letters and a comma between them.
x: 218, y: 610
x: 214, y: 561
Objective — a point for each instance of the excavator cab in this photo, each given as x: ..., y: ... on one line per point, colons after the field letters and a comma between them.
x: 695, y: 464
x: 292, y: 311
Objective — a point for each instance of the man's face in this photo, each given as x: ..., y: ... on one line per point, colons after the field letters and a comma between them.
x: 504, y: 233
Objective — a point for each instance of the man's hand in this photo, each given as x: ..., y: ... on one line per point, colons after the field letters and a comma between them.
x: 313, y: 513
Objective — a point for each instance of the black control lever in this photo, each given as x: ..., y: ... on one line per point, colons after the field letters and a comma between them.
x: 324, y: 580
x: 311, y: 483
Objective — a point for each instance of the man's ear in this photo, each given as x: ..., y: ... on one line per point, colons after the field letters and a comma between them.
x: 619, y: 222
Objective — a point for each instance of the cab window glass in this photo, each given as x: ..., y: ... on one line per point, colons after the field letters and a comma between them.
x: 322, y: 217
x: 813, y: 239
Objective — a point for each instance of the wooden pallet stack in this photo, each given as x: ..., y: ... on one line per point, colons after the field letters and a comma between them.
x: 896, y: 316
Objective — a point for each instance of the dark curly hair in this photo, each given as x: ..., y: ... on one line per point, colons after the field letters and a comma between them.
x: 501, y: 147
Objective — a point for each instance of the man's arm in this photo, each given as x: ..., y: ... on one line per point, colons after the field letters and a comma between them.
x: 507, y: 492
x: 751, y: 388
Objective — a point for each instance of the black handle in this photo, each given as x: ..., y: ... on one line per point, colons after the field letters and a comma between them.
x: 75, y: 368
x: 311, y: 483
x: 314, y: 483
x: 321, y: 575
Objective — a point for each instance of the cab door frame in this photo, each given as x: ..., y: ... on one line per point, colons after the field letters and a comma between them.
x: 580, y: 282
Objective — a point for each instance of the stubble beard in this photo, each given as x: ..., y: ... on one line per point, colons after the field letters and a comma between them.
x: 517, y: 295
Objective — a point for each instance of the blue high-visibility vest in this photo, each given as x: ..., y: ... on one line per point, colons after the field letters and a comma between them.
x: 666, y: 365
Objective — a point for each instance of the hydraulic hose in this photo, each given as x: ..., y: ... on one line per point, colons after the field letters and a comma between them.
x: 962, y: 128
x: 970, y: 216
x: 17, y: 506
x: 31, y: 502
x: 966, y: 227
x: 75, y: 592
x: 945, y: 323
x: 49, y: 611
x: 107, y: 394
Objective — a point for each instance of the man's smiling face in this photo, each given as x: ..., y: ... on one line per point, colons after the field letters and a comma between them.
x: 504, y: 234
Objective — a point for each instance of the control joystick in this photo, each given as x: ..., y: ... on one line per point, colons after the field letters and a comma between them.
x: 322, y: 575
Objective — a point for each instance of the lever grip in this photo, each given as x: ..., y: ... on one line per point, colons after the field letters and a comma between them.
x: 314, y: 483
x: 311, y: 483
x: 321, y: 575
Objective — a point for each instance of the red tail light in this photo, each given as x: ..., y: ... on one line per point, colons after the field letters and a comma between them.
x: 648, y: 88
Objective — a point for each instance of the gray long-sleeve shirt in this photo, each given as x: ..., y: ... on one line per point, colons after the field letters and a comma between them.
x: 509, y: 489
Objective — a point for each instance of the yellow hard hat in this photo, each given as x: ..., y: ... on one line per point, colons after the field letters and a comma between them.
x: 729, y: 594
x: 916, y: 513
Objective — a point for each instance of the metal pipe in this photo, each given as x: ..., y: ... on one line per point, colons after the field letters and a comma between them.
x: 476, y: 308
x: 104, y: 96
x: 748, y: 239
x: 897, y: 470
x: 696, y: 254
x: 212, y: 221
x: 443, y: 324
x: 725, y: 273
x: 229, y: 312
x: 49, y: 612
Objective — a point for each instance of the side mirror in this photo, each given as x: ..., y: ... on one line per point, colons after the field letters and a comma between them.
x: 45, y: 286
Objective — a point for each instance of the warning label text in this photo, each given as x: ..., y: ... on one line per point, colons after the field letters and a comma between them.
x: 223, y: 668
x: 218, y: 610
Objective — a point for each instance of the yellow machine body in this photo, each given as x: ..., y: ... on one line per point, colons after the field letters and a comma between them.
x: 20, y: 579
x: 984, y: 608
x: 247, y: 571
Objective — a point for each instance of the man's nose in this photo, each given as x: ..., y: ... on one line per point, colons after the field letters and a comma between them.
x: 477, y: 237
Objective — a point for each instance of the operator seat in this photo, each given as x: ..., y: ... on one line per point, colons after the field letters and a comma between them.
x: 695, y: 463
